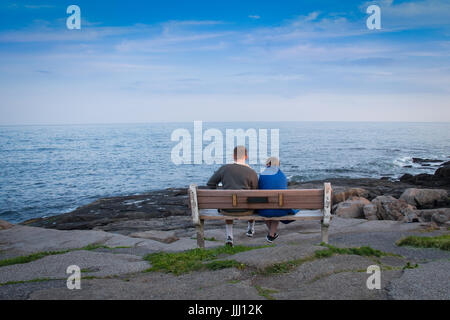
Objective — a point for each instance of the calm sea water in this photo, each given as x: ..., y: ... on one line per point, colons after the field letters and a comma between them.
x: 47, y: 170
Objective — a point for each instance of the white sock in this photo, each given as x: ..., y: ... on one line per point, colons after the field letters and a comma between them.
x: 251, y: 226
x: 229, y: 228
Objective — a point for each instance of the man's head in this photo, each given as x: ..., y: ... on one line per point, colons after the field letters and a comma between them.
x: 240, y: 154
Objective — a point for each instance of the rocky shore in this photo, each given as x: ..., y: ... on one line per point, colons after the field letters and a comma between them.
x: 112, y: 241
x: 421, y: 198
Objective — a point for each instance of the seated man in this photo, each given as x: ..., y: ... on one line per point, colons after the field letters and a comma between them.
x: 237, y: 175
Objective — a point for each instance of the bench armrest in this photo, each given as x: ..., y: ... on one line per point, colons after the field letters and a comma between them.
x: 194, y: 204
x: 326, y: 203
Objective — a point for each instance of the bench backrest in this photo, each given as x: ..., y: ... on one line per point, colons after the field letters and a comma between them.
x: 260, y: 199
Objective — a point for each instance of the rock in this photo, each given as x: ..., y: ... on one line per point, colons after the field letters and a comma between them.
x: 161, y: 236
x: 411, y: 216
x: 406, y: 177
x: 148, y: 206
x: 352, y: 192
x: 370, y: 212
x: 443, y: 172
x: 420, y: 160
x: 441, y: 217
x: 427, y: 282
x: 265, y: 257
x: 351, y: 208
x: 99, y: 264
x: 440, y: 178
x: 390, y: 208
x: 438, y: 217
x: 426, y: 214
x: 5, y: 225
x: 422, y: 197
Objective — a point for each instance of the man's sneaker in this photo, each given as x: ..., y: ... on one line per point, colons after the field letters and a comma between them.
x: 250, y: 233
x: 270, y: 239
x: 229, y: 242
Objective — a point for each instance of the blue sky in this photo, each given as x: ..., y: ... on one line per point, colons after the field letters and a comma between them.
x: 144, y: 61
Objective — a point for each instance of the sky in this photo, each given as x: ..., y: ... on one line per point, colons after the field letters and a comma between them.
x: 234, y: 60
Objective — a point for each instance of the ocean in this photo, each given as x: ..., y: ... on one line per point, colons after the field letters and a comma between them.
x: 48, y: 170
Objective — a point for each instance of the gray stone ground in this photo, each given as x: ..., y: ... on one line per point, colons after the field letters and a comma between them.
x: 118, y: 271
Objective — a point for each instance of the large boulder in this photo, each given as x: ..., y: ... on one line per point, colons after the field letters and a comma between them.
x: 439, y: 216
x: 352, y: 192
x: 5, y: 225
x: 443, y: 172
x: 370, y: 212
x: 390, y: 208
x: 351, y: 208
x: 423, y: 197
x: 441, y: 177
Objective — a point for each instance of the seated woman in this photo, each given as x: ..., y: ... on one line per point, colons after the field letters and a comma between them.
x: 273, y: 178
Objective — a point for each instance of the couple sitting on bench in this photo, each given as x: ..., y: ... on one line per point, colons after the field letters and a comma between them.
x: 239, y: 175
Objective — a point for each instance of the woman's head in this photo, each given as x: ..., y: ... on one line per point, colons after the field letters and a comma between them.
x: 273, y: 162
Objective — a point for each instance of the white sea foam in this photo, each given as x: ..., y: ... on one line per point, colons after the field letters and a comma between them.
x: 403, y: 161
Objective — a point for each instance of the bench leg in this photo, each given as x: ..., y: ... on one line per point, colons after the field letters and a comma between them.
x: 201, y: 234
x: 324, y: 229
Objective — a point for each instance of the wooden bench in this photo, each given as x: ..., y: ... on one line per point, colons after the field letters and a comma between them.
x: 200, y: 200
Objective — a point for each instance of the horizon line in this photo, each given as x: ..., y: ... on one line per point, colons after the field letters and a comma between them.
x: 215, y: 121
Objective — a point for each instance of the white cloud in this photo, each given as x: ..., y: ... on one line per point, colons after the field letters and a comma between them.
x: 38, y: 6
x: 308, y: 66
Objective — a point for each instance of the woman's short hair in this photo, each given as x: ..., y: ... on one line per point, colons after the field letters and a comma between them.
x: 273, y: 161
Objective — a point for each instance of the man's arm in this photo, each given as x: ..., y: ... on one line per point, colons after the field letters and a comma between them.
x: 254, y: 181
x: 215, y: 179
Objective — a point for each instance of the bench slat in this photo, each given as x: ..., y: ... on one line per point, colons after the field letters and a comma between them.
x: 288, y: 205
x: 315, y: 215
x: 259, y: 193
x: 271, y: 199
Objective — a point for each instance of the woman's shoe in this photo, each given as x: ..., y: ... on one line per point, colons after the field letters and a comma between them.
x: 270, y: 239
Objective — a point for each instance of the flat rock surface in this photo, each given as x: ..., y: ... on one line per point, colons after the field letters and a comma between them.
x: 385, y: 241
x: 264, y: 257
x: 161, y: 236
x: 23, y: 240
x: 339, y: 286
x: 97, y: 264
x: 196, y: 285
x: 118, y: 269
x: 431, y: 281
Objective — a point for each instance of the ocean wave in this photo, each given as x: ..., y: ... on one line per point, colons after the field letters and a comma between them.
x: 403, y: 161
x: 408, y: 162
